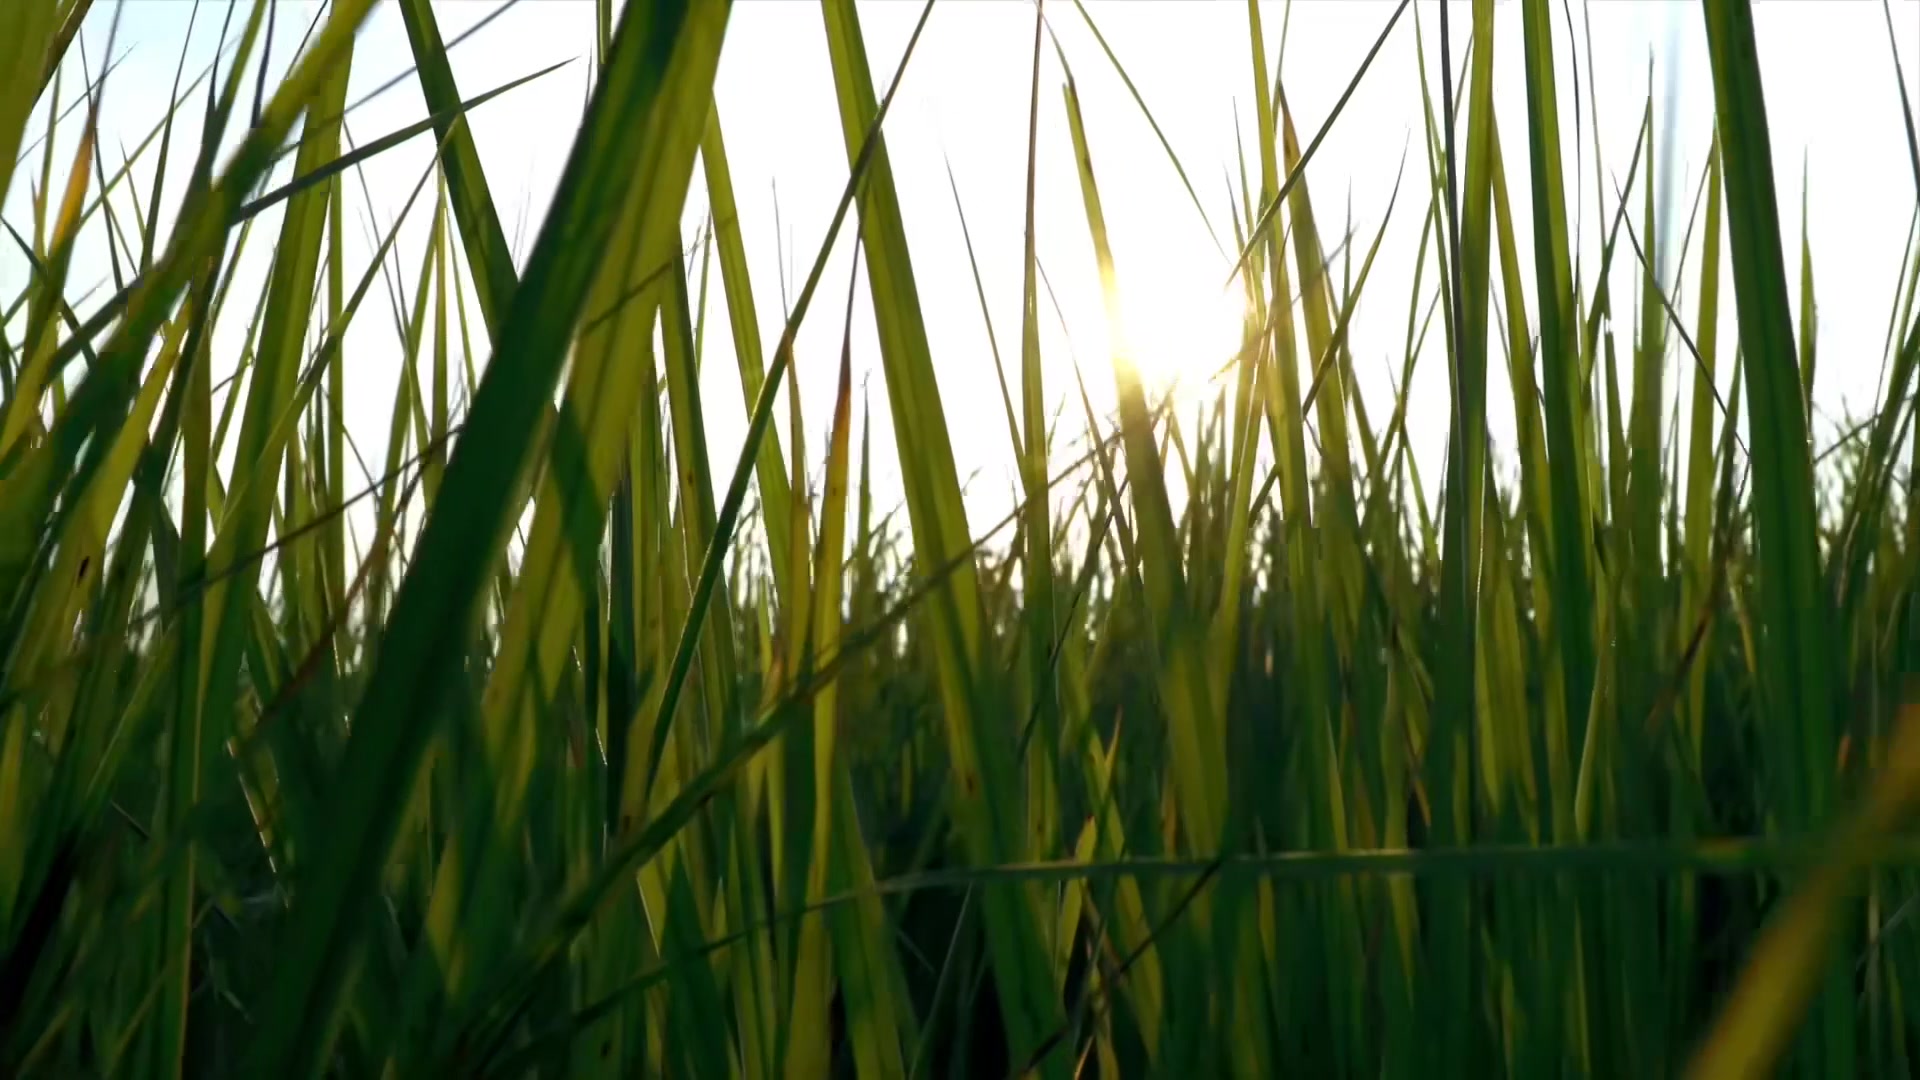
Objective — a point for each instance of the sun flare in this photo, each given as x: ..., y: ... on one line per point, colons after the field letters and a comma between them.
x: 1182, y: 332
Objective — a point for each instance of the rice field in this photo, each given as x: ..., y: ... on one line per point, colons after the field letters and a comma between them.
x: 568, y: 740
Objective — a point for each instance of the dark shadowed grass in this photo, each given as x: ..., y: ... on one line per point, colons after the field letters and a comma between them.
x: 1224, y: 753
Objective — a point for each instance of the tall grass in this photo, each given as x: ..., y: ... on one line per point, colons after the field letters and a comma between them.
x: 1225, y: 753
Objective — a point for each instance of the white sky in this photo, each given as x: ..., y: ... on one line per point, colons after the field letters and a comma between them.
x: 1831, y: 96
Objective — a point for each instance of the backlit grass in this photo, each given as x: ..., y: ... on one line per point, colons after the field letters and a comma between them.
x: 1230, y: 751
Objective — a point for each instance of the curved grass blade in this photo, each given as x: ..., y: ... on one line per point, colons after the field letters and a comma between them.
x: 1794, y: 955
x: 487, y: 251
x: 419, y: 653
x: 1257, y: 233
x: 1796, y: 678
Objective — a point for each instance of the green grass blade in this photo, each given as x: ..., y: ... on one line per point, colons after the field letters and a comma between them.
x: 1797, y: 666
x: 457, y: 547
x: 981, y: 755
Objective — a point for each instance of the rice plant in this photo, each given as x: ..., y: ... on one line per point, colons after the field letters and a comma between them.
x: 567, y: 741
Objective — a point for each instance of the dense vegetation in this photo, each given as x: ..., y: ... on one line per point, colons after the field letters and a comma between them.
x: 605, y: 756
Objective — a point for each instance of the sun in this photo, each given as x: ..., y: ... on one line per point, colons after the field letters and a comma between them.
x: 1173, y: 321
x: 1183, y: 330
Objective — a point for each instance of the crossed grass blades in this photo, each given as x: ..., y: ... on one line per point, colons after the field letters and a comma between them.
x: 551, y: 745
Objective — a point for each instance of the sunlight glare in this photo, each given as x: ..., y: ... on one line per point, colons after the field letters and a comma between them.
x: 1183, y: 329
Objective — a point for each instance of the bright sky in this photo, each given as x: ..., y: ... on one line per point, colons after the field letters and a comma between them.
x: 1831, y: 95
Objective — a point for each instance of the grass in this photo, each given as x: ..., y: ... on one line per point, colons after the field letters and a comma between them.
x: 1225, y: 753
